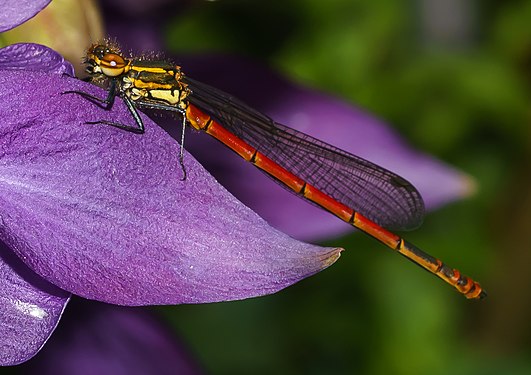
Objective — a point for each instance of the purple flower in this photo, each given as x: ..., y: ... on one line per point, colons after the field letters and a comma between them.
x: 102, y: 213
x: 15, y: 12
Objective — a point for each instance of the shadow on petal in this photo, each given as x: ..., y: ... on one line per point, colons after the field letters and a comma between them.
x: 96, y: 338
x: 30, y: 309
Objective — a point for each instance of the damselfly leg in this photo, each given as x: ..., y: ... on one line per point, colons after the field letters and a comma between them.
x: 180, y: 111
x: 108, y: 103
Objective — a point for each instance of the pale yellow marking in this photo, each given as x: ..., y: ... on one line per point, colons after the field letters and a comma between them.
x: 152, y: 70
x: 166, y: 95
x: 136, y: 94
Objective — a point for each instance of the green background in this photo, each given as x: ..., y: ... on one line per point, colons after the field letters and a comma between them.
x: 463, y: 98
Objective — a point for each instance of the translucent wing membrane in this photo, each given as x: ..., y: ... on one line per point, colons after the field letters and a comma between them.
x: 380, y: 195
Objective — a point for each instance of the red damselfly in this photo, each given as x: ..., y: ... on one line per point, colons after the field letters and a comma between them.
x: 357, y: 191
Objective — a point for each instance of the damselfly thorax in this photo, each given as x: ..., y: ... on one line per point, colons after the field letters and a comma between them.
x: 142, y: 81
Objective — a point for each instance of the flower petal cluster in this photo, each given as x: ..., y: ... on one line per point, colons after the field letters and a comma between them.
x: 104, y: 214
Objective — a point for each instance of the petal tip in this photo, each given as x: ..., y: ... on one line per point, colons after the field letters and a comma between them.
x: 332, y: 256
x: 469, y: 185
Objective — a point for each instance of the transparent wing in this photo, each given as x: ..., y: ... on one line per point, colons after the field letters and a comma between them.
x: 378, y: 194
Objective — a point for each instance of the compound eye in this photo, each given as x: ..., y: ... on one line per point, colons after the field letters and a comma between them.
x: 100, y: 52
x: 112, y: 65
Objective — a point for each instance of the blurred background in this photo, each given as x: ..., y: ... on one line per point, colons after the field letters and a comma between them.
x: 454, y: 78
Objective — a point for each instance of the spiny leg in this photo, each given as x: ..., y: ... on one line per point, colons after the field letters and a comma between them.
x: 109, y: 102
x: 138, y: 129
x: 182, y: 113
x: 181, y: 150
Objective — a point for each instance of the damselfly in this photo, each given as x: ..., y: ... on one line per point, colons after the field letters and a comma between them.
x: 357, y: 191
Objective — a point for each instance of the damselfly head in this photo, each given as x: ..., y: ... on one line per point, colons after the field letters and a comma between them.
x: 102, y: 59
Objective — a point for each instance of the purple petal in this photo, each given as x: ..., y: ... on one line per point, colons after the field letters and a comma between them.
x: 15, y: 12
x: 30, y: 309
x: 95, y: 338
x: 30, y: 56
x: 103, y: 213
x: 323, y: 117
